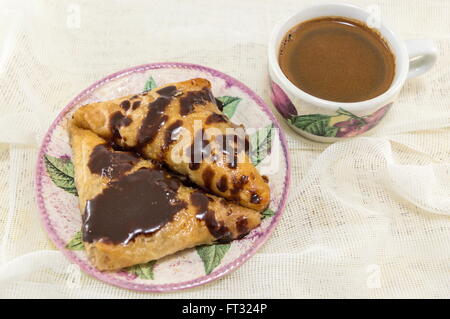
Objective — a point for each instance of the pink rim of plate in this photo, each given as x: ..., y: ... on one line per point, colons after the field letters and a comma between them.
x: 89, y: 269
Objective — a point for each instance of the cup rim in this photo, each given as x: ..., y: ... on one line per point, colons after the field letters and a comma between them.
x: 401, y: 57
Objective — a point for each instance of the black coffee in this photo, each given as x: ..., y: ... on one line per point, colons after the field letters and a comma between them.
x: 337, y: 59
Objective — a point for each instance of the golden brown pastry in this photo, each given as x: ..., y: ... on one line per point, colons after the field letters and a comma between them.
x: 181, y: 125
x: 134, y: 211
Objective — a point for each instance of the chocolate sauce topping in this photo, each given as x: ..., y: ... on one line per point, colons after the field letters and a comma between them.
x: 199, y: 150
x: 194, y: 166
x: 238, y: 185
x: 155, y: 117
x: 222, y: 184
x: 136, y: 104
x: 200, y: 201
x: 219, y: 104
x: 233, y: 163
x: 139, y: 203
x: 242, y: 226
x: 106, y: 162
x: 193, y: 98
x: 216, y: 118
x: 116, y: 121
x: 208, y: 175
x: 171, y: 134
x: 217, y: 229
x: 247, y: 145
x: 255, y: 198
x: 168, y: 91
x: 125, y: 105
x: 231, y: 146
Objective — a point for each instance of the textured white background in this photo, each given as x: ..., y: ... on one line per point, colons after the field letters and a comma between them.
x: 367, y: 217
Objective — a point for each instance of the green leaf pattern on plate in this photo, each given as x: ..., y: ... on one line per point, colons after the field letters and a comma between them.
x: 229, y: 104
x: 143, y: 271
x: 76, y: 243
x: 61, y: 172
x: 267, y: 213
x: 212, y: 255
x: 261, y: 144
x: 150, y: 84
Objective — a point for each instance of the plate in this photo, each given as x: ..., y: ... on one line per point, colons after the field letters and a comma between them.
x: 57, y: 196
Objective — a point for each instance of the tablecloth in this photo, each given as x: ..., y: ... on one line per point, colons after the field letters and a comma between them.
x: 367, y: 217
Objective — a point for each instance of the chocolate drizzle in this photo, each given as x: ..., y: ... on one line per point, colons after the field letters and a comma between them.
x: 255, y: 198
x: 230, y: 149
x: 238, y: 185
x: 106, y: 162
x: 136, y: 204
x: 193, y: 98
x: 216, y: 118
x: 199, y: 150
x: 222, y: 184
x: 116, y: 121
x: 208, y: 175
x: 168, y: 91
x: 242, y: 226
x: 135, y: 105
x: 219, y: 104
x: 217, y: 229
x: 125, y: 105
x: 200, y: 201
x: 228, y: 146
x: 156, y: 117
x: 171, y: 134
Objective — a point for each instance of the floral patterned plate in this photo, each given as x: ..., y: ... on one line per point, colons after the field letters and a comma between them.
x: 57, y: 196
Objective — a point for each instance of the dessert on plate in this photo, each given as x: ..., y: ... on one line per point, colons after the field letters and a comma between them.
x: 149, y: 186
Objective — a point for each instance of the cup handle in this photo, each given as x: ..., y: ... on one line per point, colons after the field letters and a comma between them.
x: 422, y: 56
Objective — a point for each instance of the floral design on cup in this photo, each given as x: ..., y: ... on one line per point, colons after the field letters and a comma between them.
x: 282, y: 102
x: 341, y: 124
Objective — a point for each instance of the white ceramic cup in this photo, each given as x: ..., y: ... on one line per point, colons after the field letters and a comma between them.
x: 328, y: 121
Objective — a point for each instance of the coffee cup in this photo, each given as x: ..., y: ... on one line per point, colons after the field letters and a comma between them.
x: 328, y: 121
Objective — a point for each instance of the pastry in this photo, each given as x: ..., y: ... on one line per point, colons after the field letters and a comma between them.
x: 134, y: 211
x: 181, y: 125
